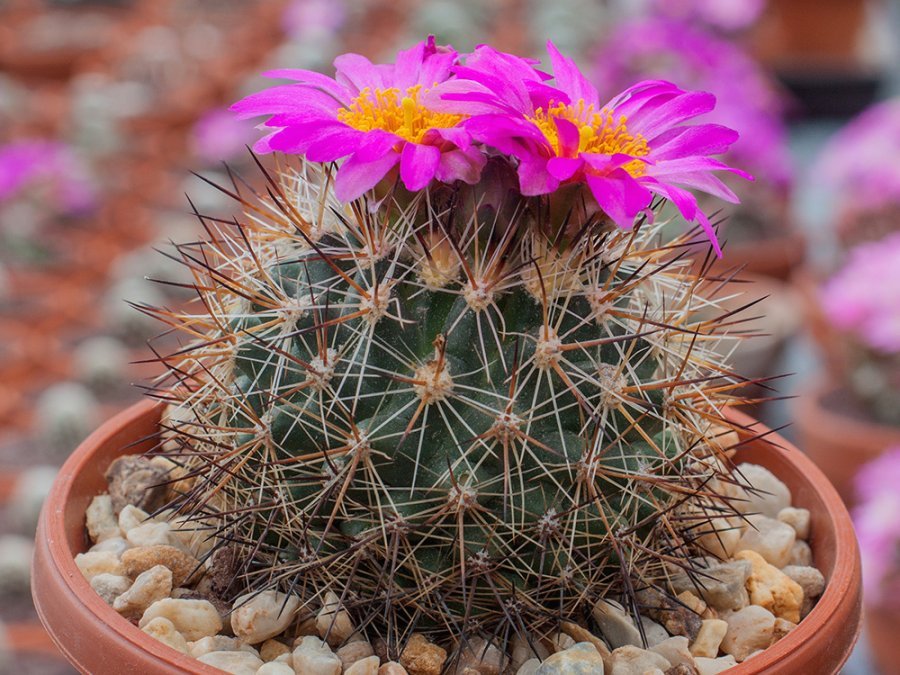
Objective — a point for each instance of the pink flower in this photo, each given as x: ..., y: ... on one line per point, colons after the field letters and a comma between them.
x: 878, y: 528
x: 44, y: 165
x: 375, y: 116
x: 863, y: 297
x: 218, y: 136
x: 626, y: 150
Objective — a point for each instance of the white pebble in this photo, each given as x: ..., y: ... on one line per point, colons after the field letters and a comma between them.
x: 314, y: 656
x: 258, y: 617
x: 366, y: 666
x: 749, y: 629
x: 771, y: 538
x: 130, y: 517
x: 150, y: 534
x: 115, y: 544
x: 150, y: 586
x: 796, y: 518
x: 100, y: 520
x: 768, y: 495
x: 707, y: 666
x: 334, y: 623
x: 236, y: 663
x: 164, y: 630
x: 275, y: 668
x: 98, y: 562
x: 193, y: 618
x: 110, y: 586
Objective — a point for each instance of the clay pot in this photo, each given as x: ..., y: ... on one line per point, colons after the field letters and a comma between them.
x: 839, y: 437
x: 97, y: 640
x: 882, y: 629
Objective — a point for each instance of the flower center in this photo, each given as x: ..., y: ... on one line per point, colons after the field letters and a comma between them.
x: 390, y: 110
x: 598, y: 133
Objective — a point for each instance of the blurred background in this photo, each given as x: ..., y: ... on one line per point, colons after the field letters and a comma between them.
x: 108, y: 106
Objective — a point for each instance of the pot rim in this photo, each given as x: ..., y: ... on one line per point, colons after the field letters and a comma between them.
x: 831, y: 421
x: 52, y: 544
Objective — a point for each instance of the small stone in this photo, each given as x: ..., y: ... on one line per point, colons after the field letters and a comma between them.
x: 110, y: 586
x: 131, y: 517
x: 629, y: 660
x: 100, y: 520
x: 707, y: 666
x: 164, y: 630
x: 530, y: 667
x: 484, y: 658
x: 98, y: 562
x: 192, y: 618
x: 615, y: 624
x: 138, y: 560
x: 313, y: 655
x: 749, y: 629
x: 720, y: 585
x: 191, y: 536
x: 115, y: 544
x: 561, y: 641
x: 808, y: 578
x: 522, y: 649
x: 771, y: 538
x: 767, y: 495
x: 782, y: 628
x: 653, y: 632
x: 421, y: 657
x: 674, y: 617
x: 333, y: 623
x: 719, y: 537
x: 149, y: 534
x: 392, y: 668
x: 580, y: 634
x: 366, y: 666
x: 801, y: 554
x: 692, y: 602
x: 260, y: 616
x: 214, y: 643
x: 275, y: 668
x: 682, y: 669
x: 354, y: 651
x: 236, y: 663
x: 272, y: 649
x: 710, y: 637
x: 137, y: 481
x: 580, y: 659
x: 772, y: 589
x: 797, y: 519
x: 150, y: 586
x: 674, y: 650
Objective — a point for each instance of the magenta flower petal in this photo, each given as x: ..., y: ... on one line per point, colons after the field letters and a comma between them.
x: 356, y: 177
x: 563, y: 168
x: 464, y: 165
x: 418, y: 164
x: 620, y: 196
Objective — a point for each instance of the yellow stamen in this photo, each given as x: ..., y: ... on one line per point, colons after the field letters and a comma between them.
x: 598, y: 132
x: 389, y: 110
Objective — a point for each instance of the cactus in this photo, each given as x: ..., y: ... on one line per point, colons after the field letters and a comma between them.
x: 460, y: 409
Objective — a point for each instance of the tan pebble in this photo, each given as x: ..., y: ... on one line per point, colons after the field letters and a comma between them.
x: 801, y: 554
x: 692, y: 602
x: 708, y: 666
x: 149, y: 534
x: 256, y: 617
x: 522, y: 650
x: 276, y: 668
x: 213, y: 643
x: 150, y: 586
x: 719, y: 537
x: 580, y: 634
x: 749, y: 629
x: 421, y: 657
x: 707, y: 642
x: 561, y: 641
x: 98, y: 562
x: 131, y: 517
x: 137, y: 560
x: 771, y: 538
x: 355, y: 651
x: 530, y: 667
x: 193, y: 618
x: 165, y: 631
x: 674, y: 650
x: 366, y: 666
x: 313, y: 655
x: 117, y: 545
x: 772, y: 589
x: 110, y: 586
x: 811, y: 580
x: 782, y: 628
x: 484, y: 658
x: 236, y: 663
x: 333, y: 623
x: 272, y: 649
x: 191, y: 536
x: 630, y: 659
x: 285, y: 658
x: 100, y: 520
x: 392, y: 668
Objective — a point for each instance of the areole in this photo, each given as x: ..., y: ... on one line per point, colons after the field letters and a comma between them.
x: 99, y: 641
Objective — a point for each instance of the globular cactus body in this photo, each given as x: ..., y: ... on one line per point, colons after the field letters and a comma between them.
x: 452, y: 413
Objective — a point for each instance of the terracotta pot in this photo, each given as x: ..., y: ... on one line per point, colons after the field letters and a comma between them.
x: 838, y: 438
x: 97, y: 640
x: 882, y: 629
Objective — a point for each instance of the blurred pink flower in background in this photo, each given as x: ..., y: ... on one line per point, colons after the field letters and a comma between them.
x: 859, y: 164
x: 746, y: 97
x: 878, y: 527
x: 46, y: 169
x: 220, y: 136
x: 310, y: 18
x: 863, y: 297
x: 725, y: 15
